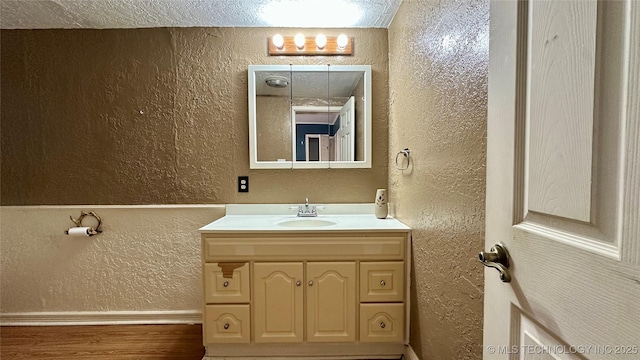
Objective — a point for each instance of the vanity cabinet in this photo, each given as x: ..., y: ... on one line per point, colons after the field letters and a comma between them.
x: 305, y: 294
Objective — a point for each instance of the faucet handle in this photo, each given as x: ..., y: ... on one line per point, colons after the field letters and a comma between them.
x: 306, y: 201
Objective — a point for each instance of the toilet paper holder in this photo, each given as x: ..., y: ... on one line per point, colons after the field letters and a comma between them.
x: 91, y: 231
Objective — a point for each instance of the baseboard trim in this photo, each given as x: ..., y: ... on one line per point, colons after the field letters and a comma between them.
x: 101, y: 318
x: 409, y: 354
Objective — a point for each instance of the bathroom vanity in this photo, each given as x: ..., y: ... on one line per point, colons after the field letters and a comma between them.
x: 277, y: 285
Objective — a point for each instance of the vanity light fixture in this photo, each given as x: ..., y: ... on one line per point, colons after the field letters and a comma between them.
x: 278, y: 41
x: 300, y: 41
x: 310, y: 46
x: 321, y: 41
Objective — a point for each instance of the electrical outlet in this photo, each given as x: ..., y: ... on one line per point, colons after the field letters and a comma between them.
x: 243, y: 184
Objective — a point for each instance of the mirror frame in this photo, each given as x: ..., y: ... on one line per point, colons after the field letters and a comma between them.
x: 292, y: 164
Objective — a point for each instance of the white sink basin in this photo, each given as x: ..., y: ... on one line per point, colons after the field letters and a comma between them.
x: 303, y: 223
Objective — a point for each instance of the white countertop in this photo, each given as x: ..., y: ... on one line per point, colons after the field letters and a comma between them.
x: 262, y: 217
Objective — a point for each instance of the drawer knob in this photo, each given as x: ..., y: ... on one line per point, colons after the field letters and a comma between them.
x: 382, y: 283
x: 310, y: 282
x: 226, y: 326
x: 298, y: 283
x: 225, y: 284
x: 382, y: 325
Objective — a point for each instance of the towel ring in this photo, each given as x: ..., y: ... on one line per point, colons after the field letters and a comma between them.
x: 406, y: 153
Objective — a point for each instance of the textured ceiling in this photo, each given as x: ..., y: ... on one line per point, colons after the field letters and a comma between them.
x: 100, y: 14
x: 310, y: 84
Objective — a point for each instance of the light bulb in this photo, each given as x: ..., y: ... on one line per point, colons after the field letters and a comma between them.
x: 321, y: 41
x: 342, y: 41
x: 299, y: 40
x: 278, y: 41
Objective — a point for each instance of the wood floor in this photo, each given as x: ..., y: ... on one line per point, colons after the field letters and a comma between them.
x: 113, y: 342
x: 179, y: 342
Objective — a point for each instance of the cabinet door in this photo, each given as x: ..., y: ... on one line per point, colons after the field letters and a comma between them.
x: 331, y: 301
x: 278, y: 299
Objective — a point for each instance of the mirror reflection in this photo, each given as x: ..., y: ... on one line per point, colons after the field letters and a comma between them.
x: 273, y: 125
x: 309, y: 116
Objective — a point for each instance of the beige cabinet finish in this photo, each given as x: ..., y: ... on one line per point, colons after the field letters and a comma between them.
x: 293, y: 247
x: 331, y: 302
x: 278, y: 296
x: 279, y: 289
x: 226, y: 324
x: 381, y: 281
x: 220, y: 289
x: 306, y: 294
x: 381, y: 322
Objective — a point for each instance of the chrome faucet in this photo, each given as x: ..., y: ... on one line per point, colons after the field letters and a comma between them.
x: 307, y: 210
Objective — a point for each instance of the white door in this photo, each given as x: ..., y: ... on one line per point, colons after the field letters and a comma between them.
x: 563, y: 180
x: 324, y: 147
x: 317, y: 147
x: 346, y: 131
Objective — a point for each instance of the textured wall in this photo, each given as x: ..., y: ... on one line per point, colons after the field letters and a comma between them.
x: 438, y: 56
x: 146, y: 259
x: 72, y: 133
x: 158, y: 116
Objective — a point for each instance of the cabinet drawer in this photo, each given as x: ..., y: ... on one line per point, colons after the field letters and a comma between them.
x: 232, y: 289
x: 226, y: 324
x: 382, y: 281
x: 381, y: 322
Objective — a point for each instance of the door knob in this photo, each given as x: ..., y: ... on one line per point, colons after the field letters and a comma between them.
x: 498, y: 258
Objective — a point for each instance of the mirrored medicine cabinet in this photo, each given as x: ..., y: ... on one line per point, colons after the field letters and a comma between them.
x: 309, y: 116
